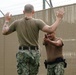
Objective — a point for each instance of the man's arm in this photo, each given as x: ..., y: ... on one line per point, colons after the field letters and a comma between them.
x: 55, y: 43
x: 5, y: 28
x: 53, y: 27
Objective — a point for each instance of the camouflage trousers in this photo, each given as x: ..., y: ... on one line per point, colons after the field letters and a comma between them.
x: 28, y: 62
x: 55, y: 69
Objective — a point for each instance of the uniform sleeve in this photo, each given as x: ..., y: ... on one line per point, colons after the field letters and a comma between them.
x: 12, y: 26
x: 40, y: 24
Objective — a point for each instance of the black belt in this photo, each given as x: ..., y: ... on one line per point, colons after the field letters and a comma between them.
x: 28, y: 47
x: 58, y: 60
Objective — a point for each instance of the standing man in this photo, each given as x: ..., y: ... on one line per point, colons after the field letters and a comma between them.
x: 27, y: 29
x: 55, y: 62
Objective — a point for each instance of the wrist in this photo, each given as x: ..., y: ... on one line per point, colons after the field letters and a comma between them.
x: 58, y: 19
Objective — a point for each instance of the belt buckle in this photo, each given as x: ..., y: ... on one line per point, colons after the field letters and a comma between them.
x: 29, y: 48
x: 32, y: 48
x: 22, y: 48
x: 35, y: 48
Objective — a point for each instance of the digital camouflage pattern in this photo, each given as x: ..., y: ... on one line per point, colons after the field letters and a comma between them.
x: 28, y: 62
x: 55, y: 69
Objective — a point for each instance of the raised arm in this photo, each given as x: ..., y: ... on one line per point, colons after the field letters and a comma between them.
x: 5, y: 28
x: 53, y: 27
x: 55, y: 43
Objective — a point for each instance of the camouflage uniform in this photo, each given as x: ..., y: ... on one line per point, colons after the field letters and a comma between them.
x: 28, y: 62
x: 55, y: 69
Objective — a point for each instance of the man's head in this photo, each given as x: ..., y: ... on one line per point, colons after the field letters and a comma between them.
x: 51, y: 35
x: 28, y: 8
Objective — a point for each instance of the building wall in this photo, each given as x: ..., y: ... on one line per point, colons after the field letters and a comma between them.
x: 66, y: 30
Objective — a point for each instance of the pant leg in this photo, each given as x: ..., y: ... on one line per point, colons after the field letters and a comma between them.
x: 55, y: 69
x: 34, y: 69
x: 59, y: 69
x: 28, y: 62
x: 23, y: 68
x: 34, y: 64
x: 23, y: 63
x: 50, y: 69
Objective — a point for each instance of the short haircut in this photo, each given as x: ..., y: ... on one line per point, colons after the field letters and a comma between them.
x: 28, y: 8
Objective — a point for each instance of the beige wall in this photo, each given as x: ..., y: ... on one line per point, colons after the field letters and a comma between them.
x: 66, y: 30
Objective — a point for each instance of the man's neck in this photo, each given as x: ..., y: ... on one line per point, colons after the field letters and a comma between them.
x: 28, y: 15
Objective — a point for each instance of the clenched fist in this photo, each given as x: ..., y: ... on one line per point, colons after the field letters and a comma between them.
x: 7, y: 16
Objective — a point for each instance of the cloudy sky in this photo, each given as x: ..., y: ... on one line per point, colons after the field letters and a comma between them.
x: 16, y: 6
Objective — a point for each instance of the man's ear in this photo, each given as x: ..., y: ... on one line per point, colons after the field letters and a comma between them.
x: 33, y: 12
x: 23, y: 12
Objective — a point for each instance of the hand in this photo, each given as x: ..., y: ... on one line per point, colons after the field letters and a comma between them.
x: 46, y: 39
x: 7, y: 17
x: 46, y: 36
x: 60, y: 13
